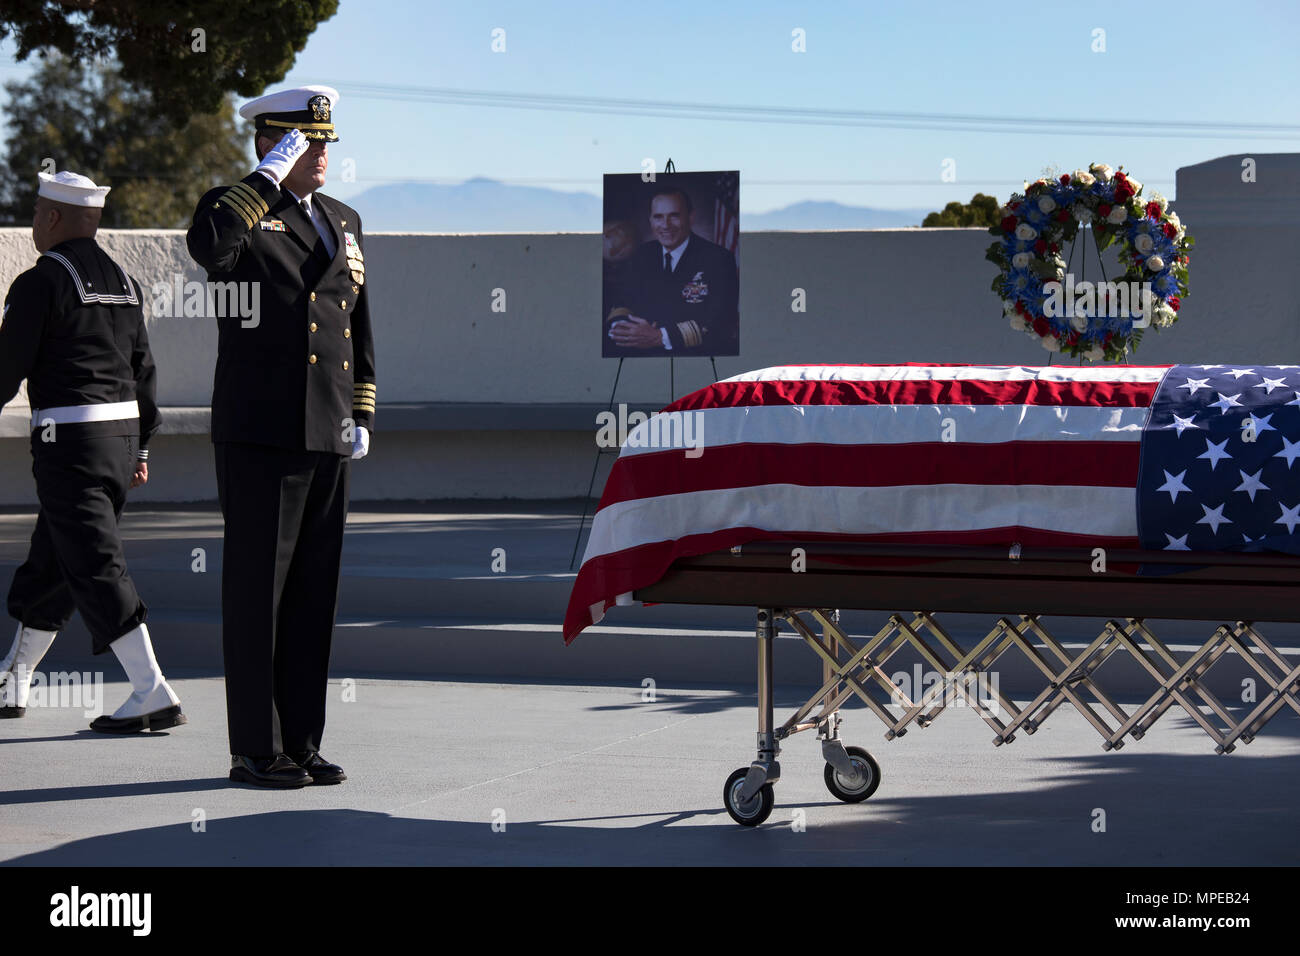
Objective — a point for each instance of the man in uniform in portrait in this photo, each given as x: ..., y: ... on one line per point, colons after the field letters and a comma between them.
x: 293, y: 404
x: 681, y: 292
x: 73, y: 327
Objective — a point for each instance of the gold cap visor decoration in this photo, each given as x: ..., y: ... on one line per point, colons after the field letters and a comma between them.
x: 306, y: 108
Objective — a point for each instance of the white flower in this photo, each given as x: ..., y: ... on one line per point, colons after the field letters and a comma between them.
x: 1021, y: 260
x: 1118, y: 213
x: 1018, y: 322
x: 1046, y: 203
x: 1095, y: 354
x: 1079, y: 323
x: 1155, y: 263
x: 1026, y: 232
x: 1049, y: 342
x: 1083, y: 178
x: 1144, y: 243
x: 1104, y: 172
x: 1081, y: 212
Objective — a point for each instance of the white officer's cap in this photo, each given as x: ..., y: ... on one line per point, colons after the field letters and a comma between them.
x: 308, y: 108
x: 72, y: 188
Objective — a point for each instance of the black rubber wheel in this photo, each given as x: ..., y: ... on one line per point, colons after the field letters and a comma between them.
x: 851, y: 790
x: 754, y: 812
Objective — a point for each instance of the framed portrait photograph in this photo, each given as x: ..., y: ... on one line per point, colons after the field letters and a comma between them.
x: 670, y: 265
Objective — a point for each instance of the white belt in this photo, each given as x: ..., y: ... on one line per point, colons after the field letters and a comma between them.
x: 80, y: 414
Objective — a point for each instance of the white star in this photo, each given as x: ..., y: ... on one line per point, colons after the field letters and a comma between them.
x: 1215, y: 453
x: 1174, y: 485
x: 1214, y: 517
x: 1290, y: 451
x: 1225, y: 401
x: 1296, y: 400
x: 1194, y: 383
x: 1249, y: 483
x: 1261, y: 425
x: 1176, y: 544
x: 1290, y: 518
x: 1270, y: 384
x: 1183, y: 423
x: 1239, y: 372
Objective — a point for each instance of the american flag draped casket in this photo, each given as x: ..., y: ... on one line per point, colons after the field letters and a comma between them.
x: 1181, y: 457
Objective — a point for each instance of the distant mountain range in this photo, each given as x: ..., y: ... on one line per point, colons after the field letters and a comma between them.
x: 485, y: 205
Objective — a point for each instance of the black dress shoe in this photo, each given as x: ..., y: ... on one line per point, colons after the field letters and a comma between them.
x: 321, y: 770
x: 278, y: 771
x: 158, y: 720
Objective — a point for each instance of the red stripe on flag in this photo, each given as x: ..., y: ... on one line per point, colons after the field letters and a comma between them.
x: 923, y: 392
x: 609, y: 575
x: 1111, y: 464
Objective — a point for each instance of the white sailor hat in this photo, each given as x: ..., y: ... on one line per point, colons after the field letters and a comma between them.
x: 308, y: 108
x: 72, y: 188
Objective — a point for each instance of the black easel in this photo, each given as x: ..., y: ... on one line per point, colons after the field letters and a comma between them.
x: 669, y: 167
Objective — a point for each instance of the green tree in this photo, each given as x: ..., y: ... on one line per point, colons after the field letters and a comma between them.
x: 184, y: 55
x: 92, y: 121
x: 982, y: 211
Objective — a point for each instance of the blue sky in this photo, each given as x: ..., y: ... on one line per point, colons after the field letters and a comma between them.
x: 1198, y: 61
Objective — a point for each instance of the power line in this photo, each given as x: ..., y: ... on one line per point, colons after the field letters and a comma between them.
x: 949, y: 122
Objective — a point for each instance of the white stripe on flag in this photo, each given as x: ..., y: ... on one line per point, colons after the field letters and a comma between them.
x: 935, y: 373
x: 878, y: 510
x: 883, y: 425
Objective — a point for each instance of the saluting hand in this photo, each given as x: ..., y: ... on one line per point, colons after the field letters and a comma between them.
x: 277, y: 163
x: 141, y: 476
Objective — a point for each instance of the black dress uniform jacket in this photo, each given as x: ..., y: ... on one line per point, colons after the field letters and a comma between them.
x: 73, y: 326
x: 698, y: 302
x: 303, y: 374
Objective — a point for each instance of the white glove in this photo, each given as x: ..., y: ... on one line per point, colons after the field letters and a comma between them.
x: 361, y: 443
x: 276, y: 164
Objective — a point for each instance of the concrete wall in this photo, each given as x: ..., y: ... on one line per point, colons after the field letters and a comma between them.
x: 473, y: 381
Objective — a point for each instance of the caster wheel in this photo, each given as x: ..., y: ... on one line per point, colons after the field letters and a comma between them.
x: 747, y: 814
x: 854, y: 790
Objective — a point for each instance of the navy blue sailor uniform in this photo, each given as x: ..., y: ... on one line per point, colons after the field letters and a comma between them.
x: 697, y: 303
x: 74, y: 328
x: 292, y: 385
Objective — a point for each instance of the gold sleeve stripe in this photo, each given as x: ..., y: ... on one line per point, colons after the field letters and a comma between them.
x: 691, y: 335
x: 255, y: 202
x: 363, y: 408
x: 240, y: 206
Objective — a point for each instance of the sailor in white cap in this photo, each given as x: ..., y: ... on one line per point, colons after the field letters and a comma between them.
x: 292, y: 406
x: 73, y: 327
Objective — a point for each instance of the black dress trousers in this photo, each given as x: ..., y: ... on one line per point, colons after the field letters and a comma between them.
x: 76, y: 562
x: 284, y: 512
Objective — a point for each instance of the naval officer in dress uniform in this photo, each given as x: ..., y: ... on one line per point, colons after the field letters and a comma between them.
x: 681, y: 292
x: 293, y: 403
x: 73, y: 326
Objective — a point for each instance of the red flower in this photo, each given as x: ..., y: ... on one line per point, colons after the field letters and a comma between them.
x: 1123, y: 191
x: 1065, y: 179
x: 1073, y: 339
x: 1120, y: 177
x: 1055, y: 247
x: 1009, y: 224
x: 1040, y: 246
x: 1109, y: 336
x: 1103, y: 210
x: 1063, y: 215
x: 1169, y: 229
x: 1174, y: 302
x: 1020, y: 307
x: 1041, y: 327
x: 1153, y: 210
